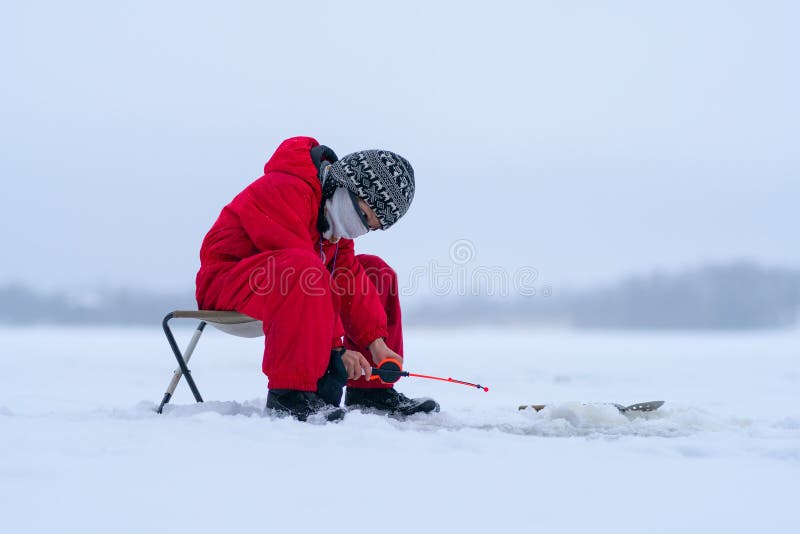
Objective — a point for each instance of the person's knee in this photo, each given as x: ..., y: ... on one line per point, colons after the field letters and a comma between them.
x: 383, y: 277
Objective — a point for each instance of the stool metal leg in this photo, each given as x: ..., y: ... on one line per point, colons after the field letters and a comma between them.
x: 182, y: 359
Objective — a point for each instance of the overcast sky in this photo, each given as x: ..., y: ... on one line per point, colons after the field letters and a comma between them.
x: 586, y: 139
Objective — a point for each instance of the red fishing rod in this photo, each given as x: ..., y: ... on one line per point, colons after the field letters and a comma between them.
x: 390, y: 371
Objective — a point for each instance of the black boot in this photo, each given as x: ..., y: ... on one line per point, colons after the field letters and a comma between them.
x: 389, y: 401
x: 302, y: 405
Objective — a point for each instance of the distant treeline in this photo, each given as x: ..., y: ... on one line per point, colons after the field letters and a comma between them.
x: 732, y: 296
x: 21, y: 305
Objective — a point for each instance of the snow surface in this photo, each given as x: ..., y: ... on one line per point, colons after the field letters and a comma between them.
x: 83, y: 451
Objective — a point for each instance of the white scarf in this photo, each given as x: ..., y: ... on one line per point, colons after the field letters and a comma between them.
x: 343, y: 219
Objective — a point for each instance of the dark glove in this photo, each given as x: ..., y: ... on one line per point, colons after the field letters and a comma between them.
x: 331, y: 385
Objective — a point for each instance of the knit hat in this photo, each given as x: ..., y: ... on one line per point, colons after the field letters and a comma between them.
x: 383, y: 179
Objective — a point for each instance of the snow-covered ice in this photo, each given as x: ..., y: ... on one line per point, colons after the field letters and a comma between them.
x: 83, y: 451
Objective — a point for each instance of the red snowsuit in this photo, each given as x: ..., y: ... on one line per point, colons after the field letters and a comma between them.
x: 262, y: 258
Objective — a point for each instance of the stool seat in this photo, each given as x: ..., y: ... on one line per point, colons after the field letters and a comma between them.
x: 230, y: 322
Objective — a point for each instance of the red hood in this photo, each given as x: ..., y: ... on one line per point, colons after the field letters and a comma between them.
x: 293, y: 157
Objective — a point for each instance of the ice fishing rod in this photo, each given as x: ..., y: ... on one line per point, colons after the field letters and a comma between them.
x: 390, y: 371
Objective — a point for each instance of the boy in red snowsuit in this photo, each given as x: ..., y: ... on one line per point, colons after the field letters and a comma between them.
x: 282, y: 252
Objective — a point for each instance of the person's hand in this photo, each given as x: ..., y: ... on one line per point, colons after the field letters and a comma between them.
x: 356, y: 365
x: 381, y: 352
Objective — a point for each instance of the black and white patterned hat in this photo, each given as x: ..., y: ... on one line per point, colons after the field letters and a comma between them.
x: 383, y: 179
